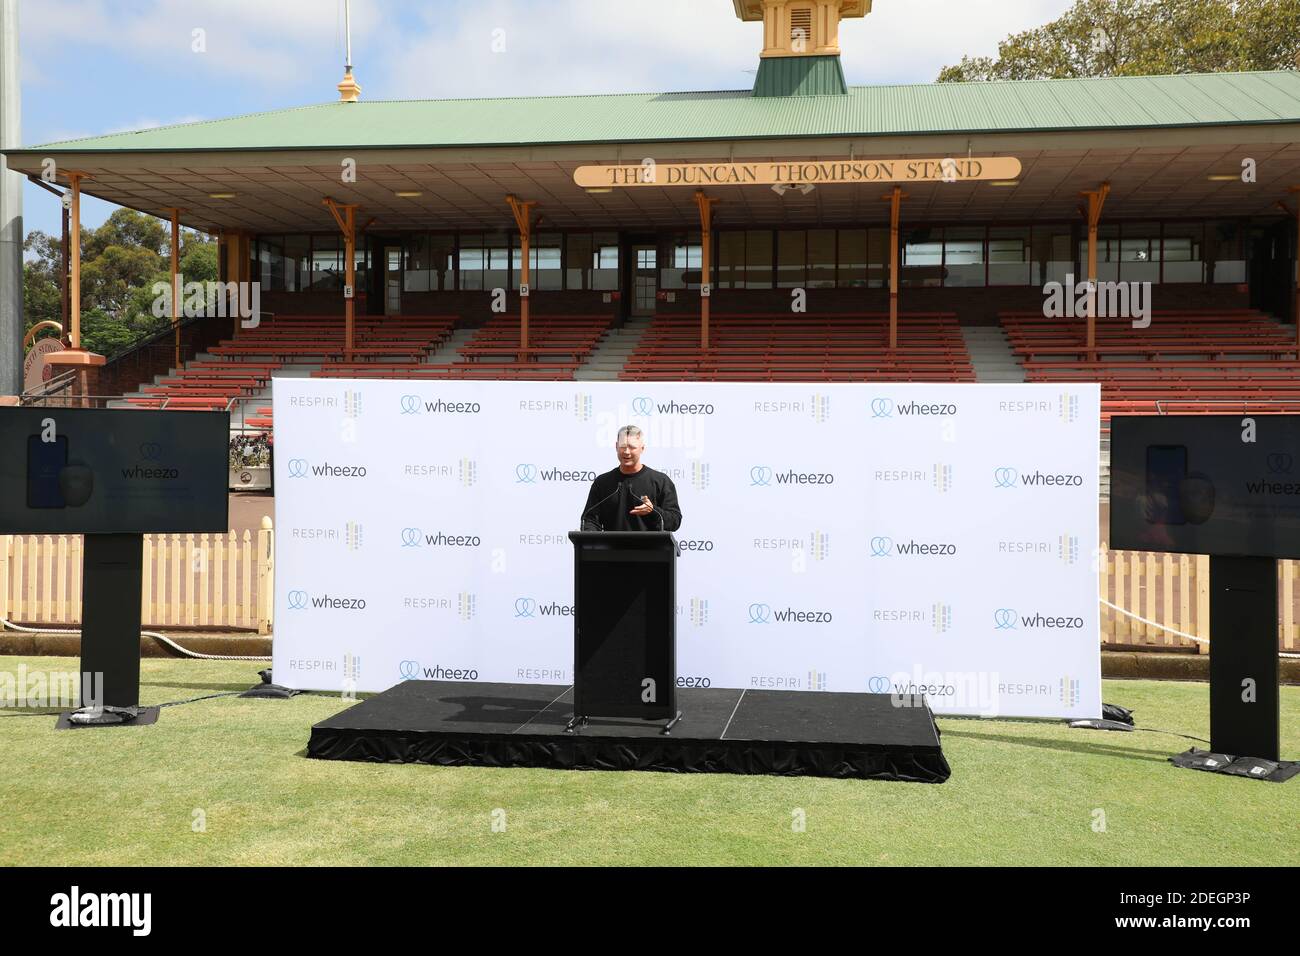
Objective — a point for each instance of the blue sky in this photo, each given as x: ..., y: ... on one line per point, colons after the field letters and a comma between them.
x: 98, y: 66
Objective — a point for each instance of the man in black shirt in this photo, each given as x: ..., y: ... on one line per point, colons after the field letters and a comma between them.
x: 632, y: 497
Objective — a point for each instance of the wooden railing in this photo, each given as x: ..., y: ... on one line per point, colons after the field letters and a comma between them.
x: 1173, y: 590
x: 190, y: 580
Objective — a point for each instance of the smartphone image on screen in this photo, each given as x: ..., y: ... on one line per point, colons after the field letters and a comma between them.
x: 1166, y: 472
x: 45, y: 460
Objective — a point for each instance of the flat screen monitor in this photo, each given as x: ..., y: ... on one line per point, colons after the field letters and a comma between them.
x: 113, y: 471
x: 1197, y: 484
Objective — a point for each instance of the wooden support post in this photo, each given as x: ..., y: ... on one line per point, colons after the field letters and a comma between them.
x: 74, y: 277
x: 895, y: 199
x: 705, y: 205
x: 176, y: 284
x: 347, y: 223
x: 1096, y: 200
x: 1295, y: 315
x: 523, y: 213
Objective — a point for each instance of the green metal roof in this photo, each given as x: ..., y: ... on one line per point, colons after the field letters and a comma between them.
x: 1009, y: 106
x: 800, y: 76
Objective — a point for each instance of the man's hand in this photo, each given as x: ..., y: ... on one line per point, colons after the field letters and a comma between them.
x: 644, y: 508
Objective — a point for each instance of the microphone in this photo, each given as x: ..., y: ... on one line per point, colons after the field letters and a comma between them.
x: 599, y: 503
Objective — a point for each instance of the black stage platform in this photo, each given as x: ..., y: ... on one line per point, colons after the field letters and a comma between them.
x: 794, y: 733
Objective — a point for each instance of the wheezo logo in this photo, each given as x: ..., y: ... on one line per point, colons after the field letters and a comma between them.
x: 644, y: 406
x: 1280, y: 463
x: 1010, y: 478
x: 530, y: 474
x: 415, y: 538
x: 1006, y: 619
x: 884, y: 547
x: 415, y: 405
x: 150, y: 451
x: 302, y: 468
x: 412, y: 670
x: 882, y: 408
x: 888, y: 408
x: 527, y: 608
x: 761, y: 476
x: 878, y: 684
x: 298, y: 600
x: 764, y: 614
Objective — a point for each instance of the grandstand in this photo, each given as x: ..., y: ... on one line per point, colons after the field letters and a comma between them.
x: 801, y: 231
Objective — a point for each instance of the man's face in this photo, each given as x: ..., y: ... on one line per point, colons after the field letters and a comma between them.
x: 629, y: 451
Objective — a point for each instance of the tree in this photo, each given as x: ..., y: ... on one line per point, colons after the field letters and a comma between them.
x: 120, y: 263
x: 1146, y: 38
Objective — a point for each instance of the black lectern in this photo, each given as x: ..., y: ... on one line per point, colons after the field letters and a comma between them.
x: 624, y: 626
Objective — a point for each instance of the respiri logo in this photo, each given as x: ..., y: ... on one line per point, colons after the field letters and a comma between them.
x: 582, y: 406
x: 936, y: 616
x: 818, y: 407
x: 1068, y: 688
x: 816, y: 545
x: 1065, y: 548
x: 816, y: 680
x: 697, y: 609
x: 938, y: 476
x: 463, y: 472
x: 350, y: 403
x: 1064, y: 408
x: 699, y: 475
x: 462, y: 604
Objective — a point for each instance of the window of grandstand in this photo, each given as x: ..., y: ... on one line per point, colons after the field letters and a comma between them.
x: 1009, y: 255
x: 758, y: 259
x: 963, y: 256
x: 604, y: 261
x: 482, y: 262
x: 326, y: 264
x: 1052, y: 258
x: 791, y: 258
x: 922, y: 251
x: 1139, y: 252
x: 821, y: 258
x: 1181, y: 258
x: 1224, y: 256
x: 544, y: 261
x: 683, y: 259
x: 1108, y: 254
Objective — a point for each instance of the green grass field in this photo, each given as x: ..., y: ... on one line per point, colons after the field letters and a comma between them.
x: 1020, y: 793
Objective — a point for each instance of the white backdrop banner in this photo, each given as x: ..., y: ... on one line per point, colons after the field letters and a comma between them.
x: 857, y: 537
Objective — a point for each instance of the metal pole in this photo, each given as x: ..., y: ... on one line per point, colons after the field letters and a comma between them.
x: 12, y: 324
